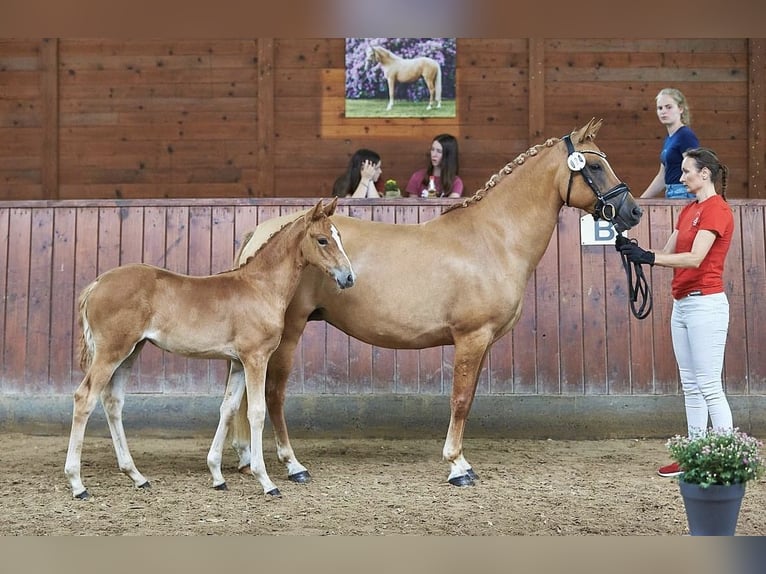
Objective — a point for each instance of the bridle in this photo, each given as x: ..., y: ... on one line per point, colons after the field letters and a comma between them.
x: 638, y: 286
x: 577, y: 164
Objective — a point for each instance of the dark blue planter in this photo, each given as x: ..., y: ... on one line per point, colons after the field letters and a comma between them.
x: 712, y: 511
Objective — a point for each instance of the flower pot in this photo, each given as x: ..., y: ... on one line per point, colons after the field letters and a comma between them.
x: 712, y: 511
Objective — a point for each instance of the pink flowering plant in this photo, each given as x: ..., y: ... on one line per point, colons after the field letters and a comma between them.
x: 717, y: 457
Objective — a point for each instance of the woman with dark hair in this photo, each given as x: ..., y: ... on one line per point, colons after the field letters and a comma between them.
x: 699, y: 322
x: 363, y: 172
x: 440, y: 176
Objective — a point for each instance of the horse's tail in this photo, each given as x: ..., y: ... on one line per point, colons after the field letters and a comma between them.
x: 86, y: 345
x: 438, y: 88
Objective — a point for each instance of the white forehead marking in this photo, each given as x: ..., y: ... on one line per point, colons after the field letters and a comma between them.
x: 336, y: 237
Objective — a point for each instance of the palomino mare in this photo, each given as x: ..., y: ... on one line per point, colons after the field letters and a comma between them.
x: 481, y: 252
x: 236, y: 315
x: 405, y: 70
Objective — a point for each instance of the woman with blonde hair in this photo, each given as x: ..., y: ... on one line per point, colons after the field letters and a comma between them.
x: 673, y: 112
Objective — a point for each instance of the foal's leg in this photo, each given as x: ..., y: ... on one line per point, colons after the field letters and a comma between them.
x: 113, y: 400
x: 235, y: 388
x: 470, y: 353
x: 255, y: 382
x: 391, y: 86
x: 85, y: 398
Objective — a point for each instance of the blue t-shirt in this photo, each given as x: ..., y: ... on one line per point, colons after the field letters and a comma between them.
x: 671, y: 155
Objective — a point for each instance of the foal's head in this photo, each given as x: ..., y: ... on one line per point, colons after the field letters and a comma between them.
x: 322, y: 246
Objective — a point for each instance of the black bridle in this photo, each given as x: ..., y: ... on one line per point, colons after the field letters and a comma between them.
x: 638, y: 286
x: 577, y: 164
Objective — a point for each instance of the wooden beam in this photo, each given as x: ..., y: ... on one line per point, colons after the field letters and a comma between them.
x: 756, y: 49
x: 265, y: 123
x: 536, y: 89
x: 49, y: 95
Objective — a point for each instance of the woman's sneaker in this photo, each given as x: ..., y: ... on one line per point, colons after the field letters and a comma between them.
x: 670, y: 470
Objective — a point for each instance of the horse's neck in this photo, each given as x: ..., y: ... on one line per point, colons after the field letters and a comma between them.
x: 280, y: 259
x: 524, y: 205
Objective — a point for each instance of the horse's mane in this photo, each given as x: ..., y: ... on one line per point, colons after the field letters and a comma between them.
x: 250, y: 234
x: 505, y: 171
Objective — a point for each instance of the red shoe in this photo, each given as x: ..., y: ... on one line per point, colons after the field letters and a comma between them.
x: 670, y: 470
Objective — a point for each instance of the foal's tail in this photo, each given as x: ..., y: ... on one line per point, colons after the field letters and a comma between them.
x: 86, y: 345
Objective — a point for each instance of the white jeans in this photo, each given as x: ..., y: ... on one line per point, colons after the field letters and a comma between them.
x: 699, y: 326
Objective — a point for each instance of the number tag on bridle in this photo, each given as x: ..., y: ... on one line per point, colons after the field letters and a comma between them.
x: 576, y: 161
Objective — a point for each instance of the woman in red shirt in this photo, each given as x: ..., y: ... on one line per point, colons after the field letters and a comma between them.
x: 696, y: 250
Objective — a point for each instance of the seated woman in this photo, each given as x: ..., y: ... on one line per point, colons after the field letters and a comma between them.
x: 363, y: 172
x: 443, y: 167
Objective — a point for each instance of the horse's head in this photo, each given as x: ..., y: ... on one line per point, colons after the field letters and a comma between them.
x: 371, y: 54
x: 589, y: 183
x: 322, y: 245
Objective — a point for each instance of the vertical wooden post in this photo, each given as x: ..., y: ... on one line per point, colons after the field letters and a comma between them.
x: 756, y: 50
x: 265, y: 118
x: 536, y: 89
x: 49, y: 95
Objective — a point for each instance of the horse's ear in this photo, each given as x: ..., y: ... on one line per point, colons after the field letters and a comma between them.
x: 330, y: 208
x: 588, y: 131
x: 315, y: 213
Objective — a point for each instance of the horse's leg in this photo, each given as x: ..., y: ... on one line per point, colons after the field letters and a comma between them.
x: 113, y: 400
x: 277, y: 373
x: 431, y: 85
x: 280, y: 365
x: 391, y: 86
x: 255, y: 383
x: 86, y: 397
x: 470, y: 353
x: 232, y: 399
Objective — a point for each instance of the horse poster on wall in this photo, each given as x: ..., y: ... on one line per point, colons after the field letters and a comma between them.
x: 400, y: 77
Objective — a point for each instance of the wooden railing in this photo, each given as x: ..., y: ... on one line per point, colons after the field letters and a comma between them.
x: 576, y: 335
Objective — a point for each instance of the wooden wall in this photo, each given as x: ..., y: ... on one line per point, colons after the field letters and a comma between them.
x: 575, y: 337
x: 261, y: 117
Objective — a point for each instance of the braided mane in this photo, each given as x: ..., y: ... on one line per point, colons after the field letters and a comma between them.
x: 495, y: 179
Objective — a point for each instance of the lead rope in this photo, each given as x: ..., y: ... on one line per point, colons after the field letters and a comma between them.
x: 638, y: 288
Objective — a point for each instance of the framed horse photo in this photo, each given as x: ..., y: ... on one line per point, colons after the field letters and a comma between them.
x: 400, y: 77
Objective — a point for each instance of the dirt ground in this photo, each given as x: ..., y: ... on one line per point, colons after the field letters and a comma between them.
x: 359, y: 487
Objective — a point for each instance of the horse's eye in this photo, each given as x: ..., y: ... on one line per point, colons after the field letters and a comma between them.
x: 595, y: 166
x: 322, y: 241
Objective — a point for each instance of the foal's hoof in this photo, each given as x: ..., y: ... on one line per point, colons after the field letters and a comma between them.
x: 274, y: 493
x: 464, y: 480
x: 301, y: 477
x: 472, y: 474
x: 145, y: 485
x: 84, y: 495
x: 222, y: 486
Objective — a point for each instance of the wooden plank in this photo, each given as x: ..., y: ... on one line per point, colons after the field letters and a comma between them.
x: 266, y: 126
x: 49, y: 100
x: 4, y: 229
x: 548, y: 307
x: 85, y: 245
x: 735, y: 359
x: 431, y: 360
x: 753, y: 257
x: 536, y: 89
x: 65, y: 373
x: 757, y: 118
x: 570, y: 301
x: 17, y: 297
x: 594, y: 300
x: 384, y: 367
x: 40, y: 289
x: 618, y: 327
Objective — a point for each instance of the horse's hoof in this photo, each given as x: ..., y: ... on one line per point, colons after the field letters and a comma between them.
x: 464, y: 480
x: 472, y: 474
x: 84, y: 495
x: 145, y: 485
x: 275, y: 493
x: 301, y: 477
x: 222, y: 486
